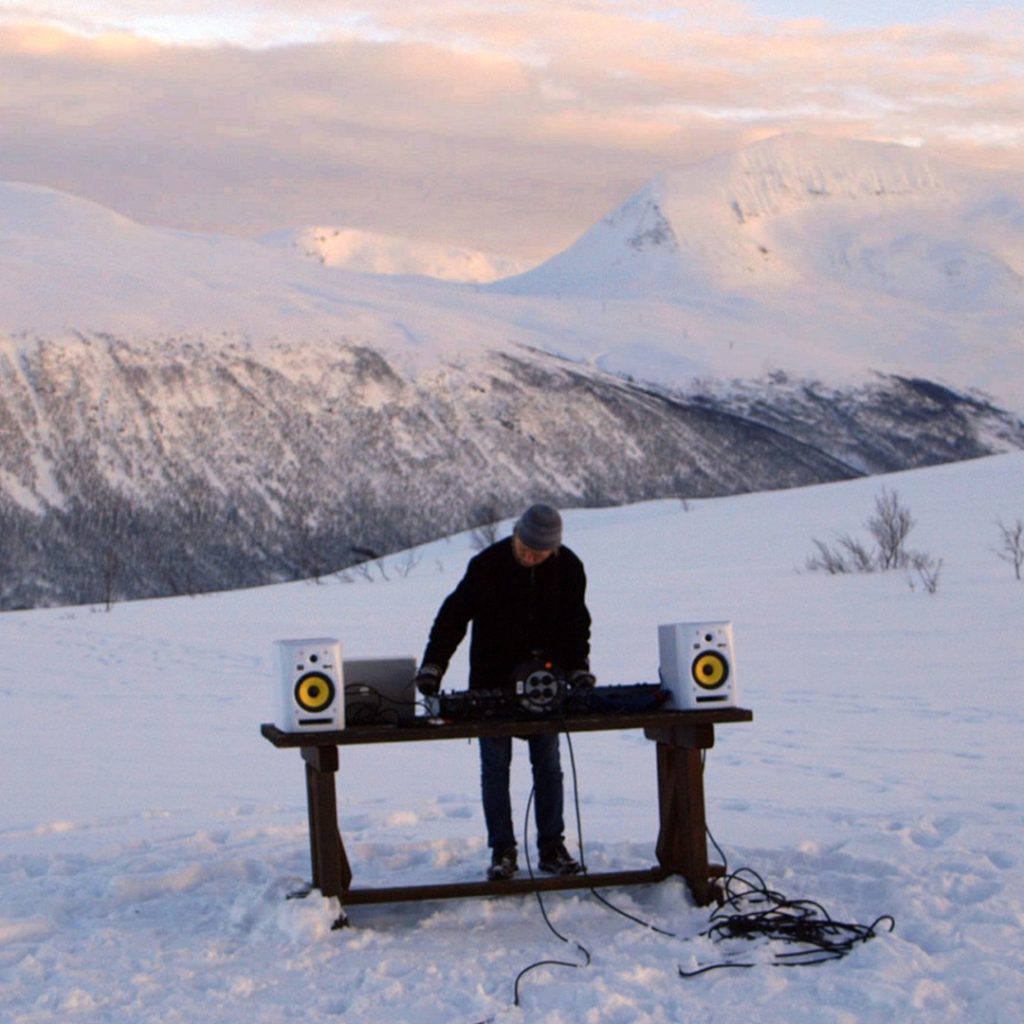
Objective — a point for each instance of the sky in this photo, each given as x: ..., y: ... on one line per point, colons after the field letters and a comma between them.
x: 508, y: 128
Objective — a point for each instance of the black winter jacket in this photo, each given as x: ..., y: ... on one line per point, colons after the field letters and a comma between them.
x: 515, y: 612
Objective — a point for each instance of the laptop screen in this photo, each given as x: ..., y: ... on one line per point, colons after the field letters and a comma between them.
x: 379, y: 691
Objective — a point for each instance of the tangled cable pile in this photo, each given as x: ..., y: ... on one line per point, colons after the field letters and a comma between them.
x: 751, y: 910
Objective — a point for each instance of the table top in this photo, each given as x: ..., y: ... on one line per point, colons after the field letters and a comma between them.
x: 420, y: 729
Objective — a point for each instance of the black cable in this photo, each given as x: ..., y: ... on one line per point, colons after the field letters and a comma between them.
x: 751, y: 910
x: 799, y: 921
x: 714, y: 841
x: 760, y: 911
x: 366, y: 705
x: 579, y: 838
x: 544, y: 913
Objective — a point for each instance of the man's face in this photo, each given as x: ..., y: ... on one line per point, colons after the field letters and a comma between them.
x: 528, y: 557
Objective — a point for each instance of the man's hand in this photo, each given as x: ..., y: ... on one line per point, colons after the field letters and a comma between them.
x: 581, y: 679
x: 428, y: 680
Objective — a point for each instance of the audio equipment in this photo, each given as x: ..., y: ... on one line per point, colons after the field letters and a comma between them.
x: 624, y: 699
x: 311, y: 685
x: 473, y: 705
x: 479, y: 705
x: 697, y: 664
x: 539, y: 686
x: 379, y: 690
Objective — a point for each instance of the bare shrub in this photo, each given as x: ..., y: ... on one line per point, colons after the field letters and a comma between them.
x: 1011, y: 544
x: 485, y: 533
x: 405, y: 565
x: 924, y: 570
x: 827, y: 559
x: 859, y: 557
x: 889, y: 526
x: 847, y: 555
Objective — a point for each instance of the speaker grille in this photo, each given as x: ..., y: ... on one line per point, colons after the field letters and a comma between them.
x: 314, y: 691
x: 710, y: 670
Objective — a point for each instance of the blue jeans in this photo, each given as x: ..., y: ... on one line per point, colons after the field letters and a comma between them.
x: 545, y: 759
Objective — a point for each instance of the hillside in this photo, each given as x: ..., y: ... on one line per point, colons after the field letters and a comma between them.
x: 182, y: 412
x: 179, y: 466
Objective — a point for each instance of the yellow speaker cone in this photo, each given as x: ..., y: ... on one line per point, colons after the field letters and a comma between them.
x: 710, y: 670
x: 314, y: 691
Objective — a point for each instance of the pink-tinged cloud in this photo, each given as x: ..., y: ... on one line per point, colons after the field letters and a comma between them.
x: 459, y: 123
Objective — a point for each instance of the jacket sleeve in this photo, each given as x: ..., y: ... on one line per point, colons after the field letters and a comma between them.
x: 452, y: 621
x: 575, y: 627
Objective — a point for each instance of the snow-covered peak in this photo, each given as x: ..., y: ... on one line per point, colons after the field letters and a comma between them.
x: 68, y: 264
x: 791, y: 211
x: 373, y: 252
x: 37, y: 211
x: 818, y: 257
x: 786, y: 172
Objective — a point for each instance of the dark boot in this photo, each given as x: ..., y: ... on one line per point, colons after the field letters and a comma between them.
x: 555, y: 859
x: 503, y: 863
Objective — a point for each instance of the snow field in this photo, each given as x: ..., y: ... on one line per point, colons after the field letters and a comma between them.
x: 149, y: 836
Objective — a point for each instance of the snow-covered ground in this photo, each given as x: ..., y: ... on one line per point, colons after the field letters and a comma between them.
x: 149, y: 835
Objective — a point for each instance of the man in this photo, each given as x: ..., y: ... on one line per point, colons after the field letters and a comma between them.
x: 524, y: 596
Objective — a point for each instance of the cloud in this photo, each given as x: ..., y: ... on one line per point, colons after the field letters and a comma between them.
x: 460, y: 122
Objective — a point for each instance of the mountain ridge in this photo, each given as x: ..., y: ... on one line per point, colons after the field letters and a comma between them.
x: 136, y: 469
x: 717, y: 219
x: 747, y: 263
x: 185, y: 412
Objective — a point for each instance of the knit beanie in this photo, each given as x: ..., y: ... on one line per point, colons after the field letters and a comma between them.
x: 540, y: 528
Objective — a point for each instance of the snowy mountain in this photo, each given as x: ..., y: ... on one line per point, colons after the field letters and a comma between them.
x: 149, y: 836
x: 801, y: 311
x: 819, y: 258
x: 133, y: 469
x: 816, y: 256
x: 371, y: 252
x: 800, y: 211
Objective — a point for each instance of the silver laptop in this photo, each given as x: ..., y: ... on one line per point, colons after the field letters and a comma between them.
x: 379, y: 691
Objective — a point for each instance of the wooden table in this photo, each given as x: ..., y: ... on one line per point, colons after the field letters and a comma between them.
x: 680, y: 738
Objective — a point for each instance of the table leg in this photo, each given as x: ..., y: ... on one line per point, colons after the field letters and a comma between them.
x: 682, y: 843
x: 332, y: 874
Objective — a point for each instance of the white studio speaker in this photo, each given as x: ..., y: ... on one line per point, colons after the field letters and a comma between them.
x: 697, y: 665
x: 311, y: 685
